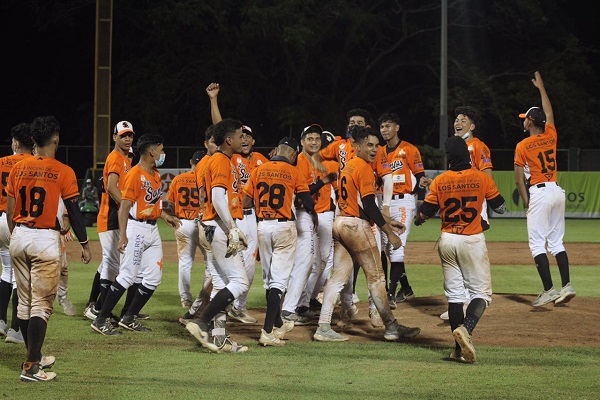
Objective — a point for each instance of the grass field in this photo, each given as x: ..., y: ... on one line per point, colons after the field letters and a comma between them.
x: 168, y: 363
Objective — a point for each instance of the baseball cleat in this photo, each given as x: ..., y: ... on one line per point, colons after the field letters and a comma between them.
x: 47, y: 362
x: 270, y: 339
x: 31, y: 372
x: 199, y: 330
x: 105, y: 327
x: 283, y: 329
x: 546, y: 297
x: 457, y: 356
x: 131, y: 323
x: 566, y: 294
x: 462, y: 337
x: 329, y: 335
x: 241, y: 316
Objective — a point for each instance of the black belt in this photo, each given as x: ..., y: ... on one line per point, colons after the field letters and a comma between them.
x: 276, y: 219
x: 398, y: 196
x: 145, y: 221
x: 249, y: 211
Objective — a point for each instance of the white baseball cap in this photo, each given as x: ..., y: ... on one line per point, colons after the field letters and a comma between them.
x: 123, y: 127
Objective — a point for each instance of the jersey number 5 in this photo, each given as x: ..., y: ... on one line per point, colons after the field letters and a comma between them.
x: 37, y: 195
x: 454, y: 205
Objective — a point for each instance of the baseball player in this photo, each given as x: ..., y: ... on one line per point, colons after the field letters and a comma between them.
x: 245, y: 162
x: 203, y: 296
x: 354, y: 240
x: 320, y: 185
x: 407, y: 170
x: 535, y: 166
x: 342, y: 151
x: 272, y: 187
x: 21, y: 145
x: 466, y: 121
x: 320, y: 273
x: 223, y: 239
x: 458, y: 195
x: 35, y: 188
x: 116, y: 166
x: 184, y: 199
x: 139, y: 239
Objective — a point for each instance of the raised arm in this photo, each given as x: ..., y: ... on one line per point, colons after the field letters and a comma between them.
x: 213, y: 92
x: 546, y: 105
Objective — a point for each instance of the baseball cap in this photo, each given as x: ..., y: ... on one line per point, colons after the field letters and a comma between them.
x: 197, y: 156
x: 246, y: 129
x: 327, y: 137
x: 290, y: 141
x: 536, y: 114
x: 313, y: 128
x: 88, y: 180
x: 123, y: 127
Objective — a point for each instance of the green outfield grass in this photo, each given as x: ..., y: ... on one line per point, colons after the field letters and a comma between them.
x: 168, y: 363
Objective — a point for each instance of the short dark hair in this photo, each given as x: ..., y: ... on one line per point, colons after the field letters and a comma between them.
x: 388, y: 117
x: 43, y: 129
x: 148, y: 140
x: 360, y: 133
x: 361, y: 112
x: 225, y: 128
x: 209, y: 133
x: 22, y: 134
x: 470, y: 112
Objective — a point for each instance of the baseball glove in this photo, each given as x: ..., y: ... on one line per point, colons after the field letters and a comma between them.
x: 236, y: 241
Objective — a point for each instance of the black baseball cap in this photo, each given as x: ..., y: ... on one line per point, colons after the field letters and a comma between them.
x: 290, y: 141
x: 536, y: 114
x: 197, y: 156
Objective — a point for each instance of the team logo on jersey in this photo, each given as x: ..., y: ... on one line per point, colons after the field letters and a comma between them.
x: 397, y: 165
x: 244, y: 174
x: 152, y: 195
x: 236, y: 179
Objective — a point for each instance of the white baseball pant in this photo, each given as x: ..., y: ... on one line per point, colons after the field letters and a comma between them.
x: 186, y: 236
x: 323, y: 239
x: 143, y: 256
x: 402, y: 210
x: 277, y: 246
x: 465, y: 265
x: 7, y: 269
x: 249, y: 226
x: 546, y: 219
x: 225, y: 272
x: 303, y: 260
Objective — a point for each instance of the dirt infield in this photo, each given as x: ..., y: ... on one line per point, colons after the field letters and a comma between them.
x: 575, y: 324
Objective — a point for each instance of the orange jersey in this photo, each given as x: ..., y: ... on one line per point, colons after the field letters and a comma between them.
x: 272, y: 186
x: 200, y: 172
x: 145, y: 191
x: 116, y: 163
x: 340, y: 151
x: 220, y: 172
x: 405, y: 162
x: 185, y: 195
x: 460, y: 195
x: 356, y: 181
x: 481, y: 157
x: 323, y: 196
x: 538, y: 155
x: 38, y: 185
x: 6, y: 165
x: 245, y: 165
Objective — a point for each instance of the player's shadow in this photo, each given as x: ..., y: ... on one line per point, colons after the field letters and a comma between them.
x: 525, y: 300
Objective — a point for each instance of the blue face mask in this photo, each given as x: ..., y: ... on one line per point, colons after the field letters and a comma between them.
x: 161, y: 160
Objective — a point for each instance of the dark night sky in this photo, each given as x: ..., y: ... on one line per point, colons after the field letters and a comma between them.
x: 51, y: 70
